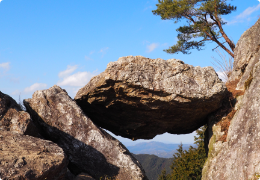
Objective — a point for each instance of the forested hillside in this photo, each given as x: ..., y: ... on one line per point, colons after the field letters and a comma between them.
x: 153, y: 165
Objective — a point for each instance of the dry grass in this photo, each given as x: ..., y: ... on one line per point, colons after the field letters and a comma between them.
x: 224, y: 65
x: 231, y: 86
x: 228, y: 109
x: 225, y: 123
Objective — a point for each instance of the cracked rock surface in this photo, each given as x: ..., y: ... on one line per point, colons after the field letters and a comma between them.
x: 25, y: 157
x: 89, y: 149
x: 247, y: 54
x: 139, y: 98
x: 239, y: 156
x: 13, y: 119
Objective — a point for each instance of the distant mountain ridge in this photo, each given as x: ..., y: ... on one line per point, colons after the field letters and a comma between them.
x: 156, y: 148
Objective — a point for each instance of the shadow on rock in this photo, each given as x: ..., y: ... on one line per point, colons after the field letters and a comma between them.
x: 82, y: 157
x: 89, y: 148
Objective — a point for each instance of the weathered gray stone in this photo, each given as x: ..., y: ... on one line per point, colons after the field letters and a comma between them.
x: 90, y: 149
x: 138, y: 97
x: 12, y: 118
x: 239, y: 156
x: 24, y: 157
x: 247, y: 54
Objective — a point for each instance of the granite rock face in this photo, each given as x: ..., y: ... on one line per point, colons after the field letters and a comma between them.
x: 247, y: 54
x: 26, y: 157
x: 89, y: 149
x: 13, y: 119
x: 139, y: 98
x: 238, y: 157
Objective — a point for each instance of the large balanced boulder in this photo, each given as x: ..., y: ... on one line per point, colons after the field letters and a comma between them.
x: 13, y: 119
x: 90, y: 149
x: 24, y: 157
x: 237, y: 156
x: 138, y: 97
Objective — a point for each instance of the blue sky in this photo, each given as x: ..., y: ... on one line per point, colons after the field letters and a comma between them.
x: 46, y: 42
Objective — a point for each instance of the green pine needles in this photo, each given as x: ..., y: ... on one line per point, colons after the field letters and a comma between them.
x: 188, y: 165
x: 204, y: 23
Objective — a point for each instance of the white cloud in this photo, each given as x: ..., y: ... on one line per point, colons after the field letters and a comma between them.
x: 152, y: 47
x: 35, y: 87
x: 248, y: 12
x: 103, y: 51
x: 68, y: 71
x: 72, y: 91
x: 1, y: 1
x: 77, y: 79
x: 245, y: 14
x: 6, y: 65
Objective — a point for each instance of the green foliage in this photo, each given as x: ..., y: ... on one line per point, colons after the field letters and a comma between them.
x: 154, y: 165
x: 164, y: 176
x: 204, y: 23
x: 188, y: 164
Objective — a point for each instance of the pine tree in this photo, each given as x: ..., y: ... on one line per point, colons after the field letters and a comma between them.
x: 163, y: 175
x: 188, y: 164
x: 204, y: 23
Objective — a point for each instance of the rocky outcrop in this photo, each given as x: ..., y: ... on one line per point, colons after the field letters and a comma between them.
x: 13, y: 119
x: 138, y: 97
x: 247, y: 54
x: 237, y: 156
x: 26, y: 157
x: 89, y: 149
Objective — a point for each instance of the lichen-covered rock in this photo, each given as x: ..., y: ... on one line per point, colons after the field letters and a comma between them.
x: 238, y: 157
x: 24, y: 157
x: 12, y: 118
x: 138, y: 97
x: 89, y: 149
x: 247, y: 54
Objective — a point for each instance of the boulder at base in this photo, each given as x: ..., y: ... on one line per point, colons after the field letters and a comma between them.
x: 26, y: 157
x: 90, y: 149
x: 139, y: 98
x: 13, y: 119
